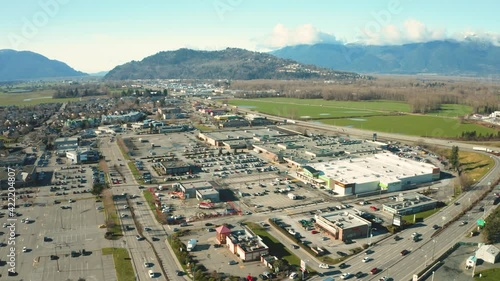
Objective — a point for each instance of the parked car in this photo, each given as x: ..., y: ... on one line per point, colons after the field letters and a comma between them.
x: 324, y: 265
x: 293, y: 275
x: 232, y: 262
x: 346, y: 275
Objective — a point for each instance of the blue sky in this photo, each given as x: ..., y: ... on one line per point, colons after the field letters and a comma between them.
x: 93, y: 35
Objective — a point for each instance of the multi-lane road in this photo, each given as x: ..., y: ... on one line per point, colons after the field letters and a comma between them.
x: 156, y: 253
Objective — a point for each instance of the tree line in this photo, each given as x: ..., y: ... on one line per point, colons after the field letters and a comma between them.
x: 79, y: 91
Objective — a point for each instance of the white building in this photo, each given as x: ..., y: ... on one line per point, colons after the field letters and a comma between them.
x: 379, y: 172
x: 495, y: 114
x: 488, y: 253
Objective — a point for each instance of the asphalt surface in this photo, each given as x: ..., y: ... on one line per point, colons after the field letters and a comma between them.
x: 140, y: 251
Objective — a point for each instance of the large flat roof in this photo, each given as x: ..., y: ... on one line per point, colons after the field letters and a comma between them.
x: 244, y: 134
x: 343, y: 219
x: 383, y: 167
x: 406, y: 200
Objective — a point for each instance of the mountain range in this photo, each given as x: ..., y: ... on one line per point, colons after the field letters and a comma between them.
x: 26, y: 65
x: 231, y: 63
x: 447, y: 57
x: 323, y: 61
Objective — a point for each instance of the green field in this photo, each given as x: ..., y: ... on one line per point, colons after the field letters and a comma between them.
x: 318, y: 108
x: 416, y: 125
x: 383, y: 116
x: 452, y: 110
x: 31, y: 98
x: 315, y: 108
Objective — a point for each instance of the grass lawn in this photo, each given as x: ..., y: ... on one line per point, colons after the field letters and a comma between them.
x: 299, y: 108
x: 369, y: 115
x: 31, y: 98
x: 123, y: 148
x: 123, y: 264
x: 203, y: 128
x: 452, y: 110
x: 416, y: 125
x: 275, y: 246
x: 421, y: 215
x: 475, y: 165
x: 150, y: 199
x: 161, y: 218
x: 111, y: 215
x: 280, y: 106
x: 135, y: 172
x: 488, y: 275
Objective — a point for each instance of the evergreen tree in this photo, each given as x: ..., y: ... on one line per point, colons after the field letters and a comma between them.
x: 454, y: 158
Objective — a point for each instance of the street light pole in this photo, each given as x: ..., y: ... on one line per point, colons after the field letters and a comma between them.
x: 432, y: 276
x: 433, y: 248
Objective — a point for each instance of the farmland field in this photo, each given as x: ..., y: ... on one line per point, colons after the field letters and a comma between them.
x: 318, y: 108
x: 369, y: 115
x: 416, y: 125
x: 315, y: 108
x: 30, y: 98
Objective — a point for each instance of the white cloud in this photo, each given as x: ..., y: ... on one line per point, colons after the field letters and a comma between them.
x: 282, y: 36
x: 413, y: 31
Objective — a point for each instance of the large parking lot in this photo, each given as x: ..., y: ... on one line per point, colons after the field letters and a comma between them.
x: 62, y: 218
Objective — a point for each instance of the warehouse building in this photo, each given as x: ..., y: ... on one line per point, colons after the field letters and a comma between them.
x: 344, y: 225
x: 374, y: 173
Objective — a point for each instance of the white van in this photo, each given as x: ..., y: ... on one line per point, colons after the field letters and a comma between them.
x: 151, y: 274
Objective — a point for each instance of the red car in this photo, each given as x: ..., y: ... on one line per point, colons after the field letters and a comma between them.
x: 374, y: 208
x: 314, y: 232
x: 374, y: 270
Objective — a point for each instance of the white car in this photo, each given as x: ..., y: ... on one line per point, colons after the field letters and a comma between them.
x: 293, y: 275
x: 324, y: 265
x: 25, y: 249
x: 346, y: 275
x: 367, y: 259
